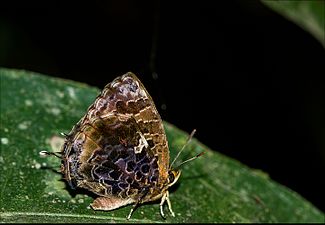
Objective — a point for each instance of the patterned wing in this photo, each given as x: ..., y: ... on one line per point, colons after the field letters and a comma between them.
x: 120, y: 144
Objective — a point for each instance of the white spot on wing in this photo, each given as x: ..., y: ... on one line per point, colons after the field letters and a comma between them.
x: 142, y: 144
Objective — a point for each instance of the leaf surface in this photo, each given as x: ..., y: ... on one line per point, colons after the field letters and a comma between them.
x: 214, y: 188
x: 308, y: 14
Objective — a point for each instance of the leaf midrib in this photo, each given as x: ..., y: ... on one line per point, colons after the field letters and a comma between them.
x: 40, y: 214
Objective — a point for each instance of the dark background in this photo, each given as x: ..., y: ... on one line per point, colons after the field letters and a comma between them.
x: 251, y: 82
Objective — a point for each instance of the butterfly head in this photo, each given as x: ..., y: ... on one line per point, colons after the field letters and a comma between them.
x: 173, y: 176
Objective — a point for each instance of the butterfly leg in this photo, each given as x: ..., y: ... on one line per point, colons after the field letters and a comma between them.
x: 169, y: 204
x: 132, y: 209
x: 144, y: 193
x: 164, y: 198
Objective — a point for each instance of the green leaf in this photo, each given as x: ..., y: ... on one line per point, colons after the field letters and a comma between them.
x: 214, y: 188
x: 308, y: 14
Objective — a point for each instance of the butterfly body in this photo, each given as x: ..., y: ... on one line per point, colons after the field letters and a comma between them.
x: 119, y: 150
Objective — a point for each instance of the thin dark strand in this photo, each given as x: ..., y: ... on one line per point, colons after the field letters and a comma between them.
x: 152, y: 62
x: 188, y: 141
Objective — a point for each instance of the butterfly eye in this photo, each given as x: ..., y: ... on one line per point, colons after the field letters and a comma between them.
x: 171, y: 177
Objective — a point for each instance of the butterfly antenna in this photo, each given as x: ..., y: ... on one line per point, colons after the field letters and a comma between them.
x: 64, y: 134
x: 188, y: 141
x: 46, y: 153
x: 190, y: 159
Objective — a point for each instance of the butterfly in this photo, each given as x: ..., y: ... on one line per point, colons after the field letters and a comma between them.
x: 119, y: 150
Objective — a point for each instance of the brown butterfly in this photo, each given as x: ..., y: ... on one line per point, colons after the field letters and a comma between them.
x: 119, y: 149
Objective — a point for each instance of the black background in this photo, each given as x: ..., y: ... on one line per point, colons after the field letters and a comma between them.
x: 251, y: 82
